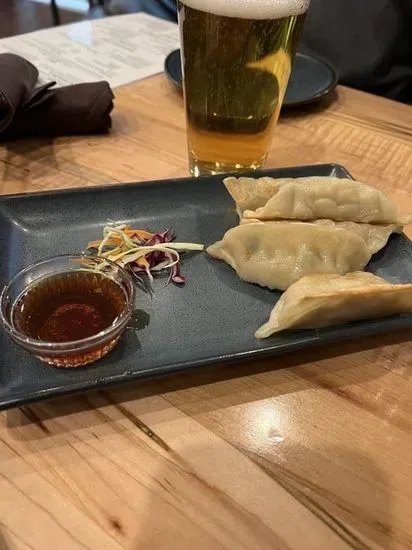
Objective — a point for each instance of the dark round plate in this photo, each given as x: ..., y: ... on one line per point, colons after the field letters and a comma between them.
x: 310, y: 80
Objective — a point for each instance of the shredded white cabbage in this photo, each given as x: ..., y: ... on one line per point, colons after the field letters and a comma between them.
x: 129, y: 251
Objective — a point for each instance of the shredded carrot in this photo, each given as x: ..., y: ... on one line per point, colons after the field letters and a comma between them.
x: 143, y: 262
x: 144, y: 253
x: 139, y: 232
x: 115, y: 240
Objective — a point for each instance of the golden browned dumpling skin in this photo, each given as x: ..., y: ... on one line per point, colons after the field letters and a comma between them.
x: 322, y: 300
x: 252, y: 193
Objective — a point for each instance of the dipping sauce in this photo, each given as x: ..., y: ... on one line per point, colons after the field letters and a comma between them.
x: 68, y: 306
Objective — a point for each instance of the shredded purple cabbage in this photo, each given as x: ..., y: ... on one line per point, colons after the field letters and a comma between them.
x: 157, y: 257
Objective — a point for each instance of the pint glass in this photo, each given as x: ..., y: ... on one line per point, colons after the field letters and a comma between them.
x: 236, y: 61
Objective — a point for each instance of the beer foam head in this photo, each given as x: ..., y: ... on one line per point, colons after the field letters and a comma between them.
x: 250, y: 9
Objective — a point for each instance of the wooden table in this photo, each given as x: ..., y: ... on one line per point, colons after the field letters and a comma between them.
x: 306, y: 451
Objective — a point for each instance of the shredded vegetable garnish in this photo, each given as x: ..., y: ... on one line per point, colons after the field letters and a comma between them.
x: 143, y: 252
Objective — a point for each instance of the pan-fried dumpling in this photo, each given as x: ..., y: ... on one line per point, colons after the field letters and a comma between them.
x: 375, y: 236
x: 276, y: 255
x: 316, y: 197
x: 324, y: 300
x: 252, y: 193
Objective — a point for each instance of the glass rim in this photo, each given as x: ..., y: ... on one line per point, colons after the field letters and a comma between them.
x: 71, y: 345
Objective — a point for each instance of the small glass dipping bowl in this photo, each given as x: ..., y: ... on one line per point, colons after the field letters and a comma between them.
x: 76, y: 353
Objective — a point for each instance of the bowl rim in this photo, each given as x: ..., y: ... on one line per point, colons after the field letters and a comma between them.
x: 82, y: 344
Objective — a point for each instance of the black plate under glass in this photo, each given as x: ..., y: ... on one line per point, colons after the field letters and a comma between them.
x: 311, y: 78
x: 209, y: 320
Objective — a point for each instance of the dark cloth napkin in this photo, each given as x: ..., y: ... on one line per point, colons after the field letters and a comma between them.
x: 30, y: 110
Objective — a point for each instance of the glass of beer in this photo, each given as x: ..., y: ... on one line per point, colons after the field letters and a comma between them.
x: 236, y: 60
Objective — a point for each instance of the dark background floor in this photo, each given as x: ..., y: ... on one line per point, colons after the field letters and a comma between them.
x: 18, y: 16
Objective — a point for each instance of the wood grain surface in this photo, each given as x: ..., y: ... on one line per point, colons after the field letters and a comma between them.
x: 307, y: 451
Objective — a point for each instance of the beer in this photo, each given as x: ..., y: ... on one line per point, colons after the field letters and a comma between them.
x: 236, y: 60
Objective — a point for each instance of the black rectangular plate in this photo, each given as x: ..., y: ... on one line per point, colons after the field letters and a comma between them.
x: 211, y: 319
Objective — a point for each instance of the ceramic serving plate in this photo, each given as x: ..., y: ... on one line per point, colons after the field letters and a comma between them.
x: 211, y: 319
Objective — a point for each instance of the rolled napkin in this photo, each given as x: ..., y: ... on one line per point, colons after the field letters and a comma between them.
x: 17, y: 80
x: 45, y: 111
x: 72, y: 110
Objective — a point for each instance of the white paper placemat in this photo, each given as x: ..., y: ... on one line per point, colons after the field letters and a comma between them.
x: 118, y: 49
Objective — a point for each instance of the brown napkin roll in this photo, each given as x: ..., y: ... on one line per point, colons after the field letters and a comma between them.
x: 77, y: 109
x: 26, y: 110
x: 17, y: 80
